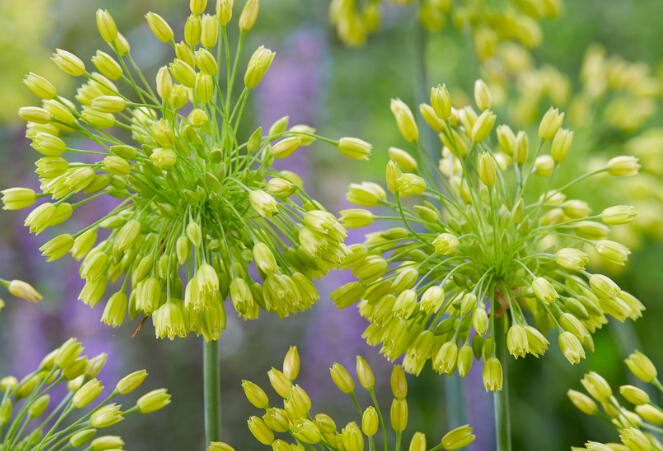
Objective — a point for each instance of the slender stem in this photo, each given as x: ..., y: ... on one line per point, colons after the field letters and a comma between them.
x: 212, y: 390
x: 501, y: 398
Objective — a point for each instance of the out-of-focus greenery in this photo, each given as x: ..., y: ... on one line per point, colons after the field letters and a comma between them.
x: 352, y: 99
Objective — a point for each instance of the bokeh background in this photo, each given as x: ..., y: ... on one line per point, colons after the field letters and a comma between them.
x: 340, y: 91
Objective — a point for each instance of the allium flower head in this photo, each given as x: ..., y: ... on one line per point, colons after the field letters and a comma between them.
x: 484, y: 249
x: 74, y: 421
x: 490, y: 24
x: 616, y: 102
x: 283, y: 428
x: 201, y: 214
x: 637, y: 420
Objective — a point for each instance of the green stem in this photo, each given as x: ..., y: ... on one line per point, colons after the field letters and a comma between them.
x: 212, y: 390
x: 501, y: 398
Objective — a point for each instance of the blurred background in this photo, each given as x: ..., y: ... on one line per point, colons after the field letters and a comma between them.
x: 340, y: 91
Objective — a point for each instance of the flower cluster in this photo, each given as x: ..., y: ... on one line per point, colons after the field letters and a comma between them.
x: 612, y: 110
x: 31, y: 421
x: 305, y: 428
x: 639, y: 426
x: 20, y: 289
x: 490, y: 23
x: 495, y: 251
x: 201, y: 214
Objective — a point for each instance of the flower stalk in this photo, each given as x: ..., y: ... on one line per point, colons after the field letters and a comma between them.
x: 501, y: 397
x: 212, y: 390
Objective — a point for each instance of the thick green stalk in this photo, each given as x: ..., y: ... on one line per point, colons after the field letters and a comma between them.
x: 501, y: 398
x: 212, y: 390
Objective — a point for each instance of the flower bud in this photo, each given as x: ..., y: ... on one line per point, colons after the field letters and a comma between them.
x: 153, y: 401
x: 635, y: 439
x: 107, y: 442
x: 543, y: 165
x: 224, y: 11
x: 516, y: 341
x: 641, y: 367
x: 393, y: 172
x: 306, y: 431
x: 550, y: 123
x: 428, y: 113
x: 365, y: 374
x: 106, y: 25
x: 492, y: 374
x: 582, y: 402
x: 159, y: 27
x: 410, y: 185
x: 183, y: 73
x: 197, y: 7
x: 122, y: 44
x: 405, y: 120
x: 618, y: 215
x: 398, y: 382
x: 441, y: 101
x: 260, y: 430
x: 356, y: 218
x: 482, y: 96
x: 291, y: 363
x: 24, y: 290
x: 571, y: 259
x: 612, y: 251
x: 106, y: 416
x: 8, y: 384
x: 203, y: 92
x: 354, y: 148
x: 87, y: 393
x: 163, y: 158
x: 445, y: 243
x: 351, y: 437
x: 487, y: 169
x: 446, y: 357
x: 342, y: 378
x: 398, y: 415
x: 404, y: 160
x: 255, y: 394
x: 483, y: 126
x: 192, y: 30
x: 17, y: 198
x: 209, y: 32
x: 221, y: 446
x: 571, y: 347
x: 68, y: 63
x: 506, y: 139
x: 634, y: 395
x: 521, y: 149
x: 34, y: 114
x: 249, y: 15
x: 561, y: 144
x: 130, y: 382
x: 263, y: 203
x: 365, y: 194
x: 603, y: 286
x: 82, y: 437
x: 276, y: 419
x: 650, y: 414
x: 286, y: 147
x: 38, y: 406
x: 369, y: 421
x: 40, y: 86
x: 623, y: 166
x: 458, y: 438
x: 544, y: 290
x: 281, y: 384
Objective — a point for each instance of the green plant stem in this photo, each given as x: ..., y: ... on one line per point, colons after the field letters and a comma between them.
x: 212, y: 390
x: 501, y: 398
